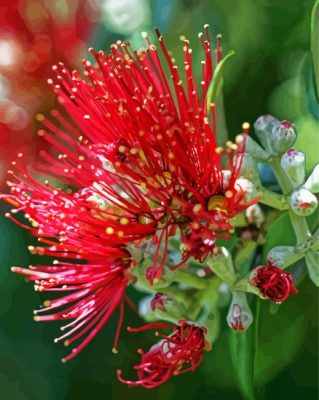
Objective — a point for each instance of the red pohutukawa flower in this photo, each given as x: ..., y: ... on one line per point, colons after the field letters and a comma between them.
x: 143, y: 163
x: 176, y: 354
x: 148, y: 149
x: 274, y: 283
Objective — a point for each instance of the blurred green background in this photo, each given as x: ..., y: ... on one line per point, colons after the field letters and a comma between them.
x: 271, y: 73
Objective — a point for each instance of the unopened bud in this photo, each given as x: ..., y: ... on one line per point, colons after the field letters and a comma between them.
x: 312, y: 183
x: 166, y: 307
x: 255, y: 215
x: 263, y: 128
x: 245, y: 186
x: 239, y: 316
x: 283, y: 136
x: 161, y: 302
x: 294, y: 164
x: 303, y: 202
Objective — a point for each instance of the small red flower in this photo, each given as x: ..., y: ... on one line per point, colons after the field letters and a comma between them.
x: 274, y: 283
x: 176, y: 354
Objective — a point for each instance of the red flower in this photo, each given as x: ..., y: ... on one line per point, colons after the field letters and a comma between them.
x: 149, y: 152
x: 176, y: 354
x: 93, y: 269
x: 274, y: 283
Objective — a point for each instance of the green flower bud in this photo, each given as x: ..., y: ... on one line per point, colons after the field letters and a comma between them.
x: 239, y: 316
x: 303, y: 202
x: 294, y: 164
x: 263, y: 128
x: 283, y: 136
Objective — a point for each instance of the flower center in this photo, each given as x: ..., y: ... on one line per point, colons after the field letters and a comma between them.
x: 217, y: 203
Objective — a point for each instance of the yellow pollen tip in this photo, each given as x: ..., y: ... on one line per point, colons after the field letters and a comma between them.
x: 109, y: 230
x: 245, y: 126
x: 239, y: 138
x: 39, y: 117
x: 219, y: 150
x: 228, y: 194
x: 197, y: 208
x: 47, y: 303
x: 36, y: 318
x: 66, y: 343
x: 124, y: 221
x: 114, y: 350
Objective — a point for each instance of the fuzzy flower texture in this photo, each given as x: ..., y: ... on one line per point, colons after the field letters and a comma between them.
x: 138, y: 165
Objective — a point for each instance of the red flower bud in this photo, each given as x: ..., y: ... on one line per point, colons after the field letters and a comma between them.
x: 274, y: 283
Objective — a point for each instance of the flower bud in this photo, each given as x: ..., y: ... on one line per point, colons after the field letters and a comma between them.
x: 239, y: 316
x: 312, y: 183
x: 263, y: 128
x: 255, y: 215
x: 303, y: 202
x: 246, y: 187
x: 273, y: 283
x: 294, y: 164
x: 283, y: 136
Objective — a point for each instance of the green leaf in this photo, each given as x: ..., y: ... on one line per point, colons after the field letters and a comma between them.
x: 243, y: 352
x: 315, y: 44
x: 282, y: 334
x: 312, y: 261
x: 217, y: 81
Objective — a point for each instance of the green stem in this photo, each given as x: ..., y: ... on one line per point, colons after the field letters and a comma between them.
x: 272, y: 199
x: 282, y: 178
x: 190, y: 279
x: 299, y: 224
x: 300, y: 227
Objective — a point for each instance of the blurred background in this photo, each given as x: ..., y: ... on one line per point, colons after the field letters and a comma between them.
x: 271, y: 73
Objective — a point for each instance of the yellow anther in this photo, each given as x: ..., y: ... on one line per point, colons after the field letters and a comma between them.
x: 216, y: 203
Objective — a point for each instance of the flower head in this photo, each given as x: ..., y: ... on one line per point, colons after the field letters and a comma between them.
x: 143, y: 164
x: 176, y: 354
x: 274, y: 283
x: 147, y: 149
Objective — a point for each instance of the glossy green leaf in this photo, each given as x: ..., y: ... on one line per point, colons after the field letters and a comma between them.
x: 217, y: 81
x: 282, y: 334
x: 315, y: 44
x: 312, y: 261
